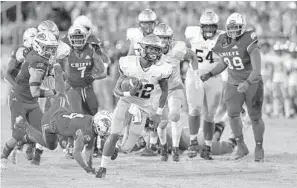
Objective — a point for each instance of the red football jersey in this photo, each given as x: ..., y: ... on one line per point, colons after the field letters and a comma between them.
x: 236, y: 54
x: 23, y: 88
x: 80, y: 65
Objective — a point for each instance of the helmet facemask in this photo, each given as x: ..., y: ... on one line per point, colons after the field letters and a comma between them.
x: 102, y: 127
x: 147, y: 27
x: 77, y: 39
x: 209, y: 30
x: 151, y: 53
x: 46, y: 51
x: 166, y: 41
x: 234, y: 30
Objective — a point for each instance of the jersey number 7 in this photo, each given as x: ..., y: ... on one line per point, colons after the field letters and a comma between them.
x: 208, y: 56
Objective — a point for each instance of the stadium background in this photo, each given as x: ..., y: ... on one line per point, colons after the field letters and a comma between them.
x: 272, y: 21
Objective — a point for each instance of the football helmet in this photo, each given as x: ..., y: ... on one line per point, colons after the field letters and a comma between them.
x: 77, y: 35
x: 209, y: 24
x: 235, y: 25
x: 50, y: 26
x: 147, y: 21
x: 45, y: 44
x: 151, y: 48
x: 165, y: 33
x: 102, y: 122
x: 85, y: 22
x: 29, y: 36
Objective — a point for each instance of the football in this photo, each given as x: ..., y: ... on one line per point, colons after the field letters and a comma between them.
x: 127, y: 84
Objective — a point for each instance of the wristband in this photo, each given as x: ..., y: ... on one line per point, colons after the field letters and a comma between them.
x: 248, y: 82
x: 54, y: 91
x: 126, y: 94
x: 210, y: 74
x: 159, y: 111
x: 42, y: 93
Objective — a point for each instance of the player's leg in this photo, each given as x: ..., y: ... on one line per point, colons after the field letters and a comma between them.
x: 117, y: 127
x: 162, y: 133
x: 213, y: 90
x: 254, y: 102
x: 234, y: 101
x: 195, y: 101
x: 16, y: 109
x: 175, y: 100
x: 75, y: 105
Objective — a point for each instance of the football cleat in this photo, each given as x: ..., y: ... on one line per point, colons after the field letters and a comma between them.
x: 164, y: 152
x: 206, y: 153
x: 193, y: 148
x: 101, y: 172
x: 37, y: 157
x: 175, y: 154
x: 241, y: 151
x: 259, y: 154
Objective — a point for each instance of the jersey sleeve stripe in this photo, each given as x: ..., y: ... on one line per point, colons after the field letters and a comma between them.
x: 251, y: 44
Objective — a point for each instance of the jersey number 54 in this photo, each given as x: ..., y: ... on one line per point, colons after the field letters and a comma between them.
x: 208, y: 56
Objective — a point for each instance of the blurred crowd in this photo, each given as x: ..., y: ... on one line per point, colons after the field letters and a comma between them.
x: 274, y: 22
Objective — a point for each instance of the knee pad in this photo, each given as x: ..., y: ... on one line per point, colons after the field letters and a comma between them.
x: 209, y: 117
x: 194, y: 111
x: 174, y: 117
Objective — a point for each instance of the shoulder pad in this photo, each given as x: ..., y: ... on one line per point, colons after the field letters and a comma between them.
x: 133, y: 33
x: 20, y: 54
x: 249, y: 38
x: 180, y: 49
x: 63, y: 50
x: 166, y: 70
x: 191, y: 31
x: 93, y: 40
x: 126, y: 62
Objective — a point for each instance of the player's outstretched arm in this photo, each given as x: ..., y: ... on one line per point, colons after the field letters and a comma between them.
x: 219, y: 68
x: 164, y: 88
x: 35, y: 83
x: 77, y: 153
x: 255, y: 56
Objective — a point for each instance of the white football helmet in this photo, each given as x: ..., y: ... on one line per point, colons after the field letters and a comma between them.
x: 77, y: 35
x: 45, y: 44
x: 151, y: 48
x: 209, y: 21
x: 50, y: 26
x: 147, y: 20
x: 85, y: 22
x: 165, y: 33
x: 29, y: 36
x: 102, y: 122
x: 235, y: 25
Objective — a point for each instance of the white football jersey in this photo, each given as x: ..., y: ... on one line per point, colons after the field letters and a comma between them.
x: 130, y: 66
x: 202, y: 48
x: 173, y: 57
x: 135, y: 35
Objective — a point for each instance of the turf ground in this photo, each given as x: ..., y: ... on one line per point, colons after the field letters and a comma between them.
x: 278, y: 170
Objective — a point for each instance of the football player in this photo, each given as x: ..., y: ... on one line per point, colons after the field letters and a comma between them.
x: 17, y: 59
x: 173, y: 53
x: 240, y: 52
x: 24, y: 95
x: 136, y: 101
x: 79, y: 62
x: 60, y: 120
x: 147, y: 21
x: 205, y: 95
